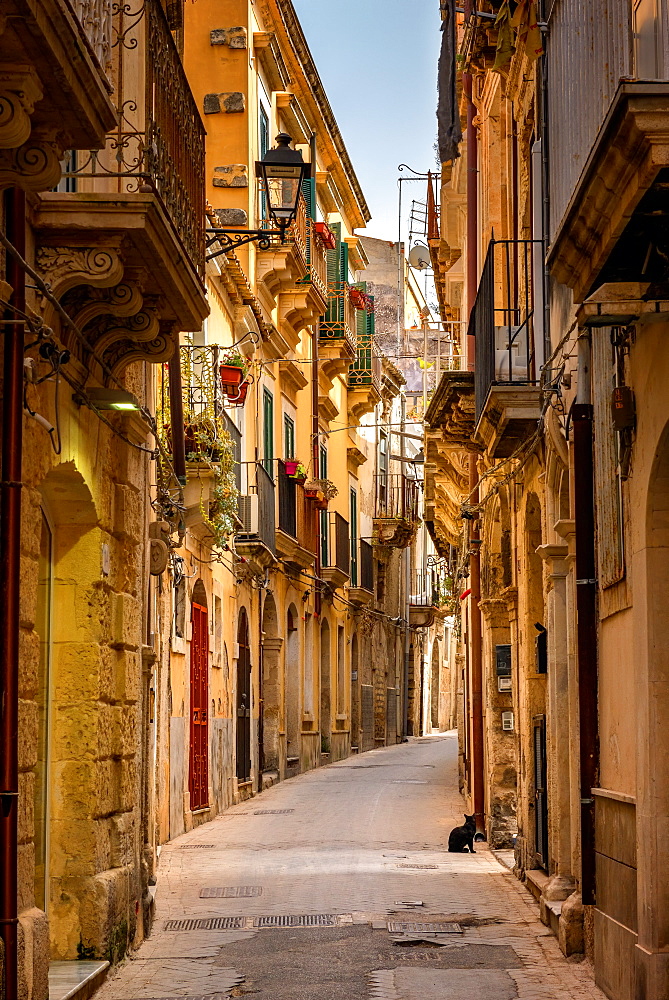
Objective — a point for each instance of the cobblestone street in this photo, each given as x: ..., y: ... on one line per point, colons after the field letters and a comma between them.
x: 351, y: 847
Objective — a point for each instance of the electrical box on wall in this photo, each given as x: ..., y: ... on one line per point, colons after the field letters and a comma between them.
x: 507, y: 722
x: 503, y: 667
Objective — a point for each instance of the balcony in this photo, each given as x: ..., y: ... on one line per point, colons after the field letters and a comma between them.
x: 361, y: 591
x: 395, y: 511
x: 431, y: 594
x: 365, y: 377
x: 256, y: 540
x: 127, y: 238
x: 56, y: 85
x: 297, y: 534
x: 336, y: 551
x: 507, y: 392
x: 337, y: 332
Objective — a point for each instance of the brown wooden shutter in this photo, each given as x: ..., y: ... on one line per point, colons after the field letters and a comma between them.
x: 608, y: 497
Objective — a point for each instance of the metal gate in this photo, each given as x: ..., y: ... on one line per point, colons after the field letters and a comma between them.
x: 198, y: 771
x: 243, y: 701
x: 540, y: 791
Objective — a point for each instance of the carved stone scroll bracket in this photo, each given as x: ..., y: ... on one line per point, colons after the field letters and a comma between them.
x: 63, y: 268
x: 20, y: 89
x: 126, y: 351
x: 34, y: 166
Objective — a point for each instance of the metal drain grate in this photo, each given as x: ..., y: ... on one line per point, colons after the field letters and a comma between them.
x: 413, y: 927
x: 230, y: 892
x: 207, y: 924
x: 303, y: 920
x: 421, y: 867
x: 272, y: 812
x: 192, y: 847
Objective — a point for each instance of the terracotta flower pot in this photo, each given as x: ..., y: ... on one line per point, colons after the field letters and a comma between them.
x: 236, y: 394
x: 231, y: 375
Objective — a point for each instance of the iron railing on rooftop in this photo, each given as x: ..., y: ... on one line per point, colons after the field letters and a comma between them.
x: 158, y: 143
x: 502, y: 319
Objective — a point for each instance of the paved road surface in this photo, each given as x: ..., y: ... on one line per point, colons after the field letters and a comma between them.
x: 350, y: 847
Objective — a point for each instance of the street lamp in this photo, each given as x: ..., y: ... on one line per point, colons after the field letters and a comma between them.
x: 281, y: 172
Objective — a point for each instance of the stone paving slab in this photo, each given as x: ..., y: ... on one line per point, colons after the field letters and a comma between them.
x: 336, y: 841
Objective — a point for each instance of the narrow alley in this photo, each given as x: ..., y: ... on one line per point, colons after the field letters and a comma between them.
x: 308, y: 891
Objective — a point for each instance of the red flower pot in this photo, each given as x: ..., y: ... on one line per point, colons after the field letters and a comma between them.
x: 326, y: 235
x: 236, y: 393
x: 291, y: 466
x: 230, y: 375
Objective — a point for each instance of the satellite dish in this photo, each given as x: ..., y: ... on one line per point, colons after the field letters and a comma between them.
x: 419, y: 257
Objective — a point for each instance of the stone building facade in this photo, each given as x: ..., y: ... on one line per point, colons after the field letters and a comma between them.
x: 544, y: 465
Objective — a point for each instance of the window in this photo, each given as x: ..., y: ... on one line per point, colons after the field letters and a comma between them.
x: 648, y: 41
x: 354, y: 538
x: 288, y: 437
x: 325, y: 538
x: 268, y: 431
x: 323, y: 462
x: 263, y: 145
x: 608, y: 484
x: 383, y: 467
x: 180, y: 609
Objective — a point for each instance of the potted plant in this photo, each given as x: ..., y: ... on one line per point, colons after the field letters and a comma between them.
x: 233, y: 368
x: 295, y: 469
x: 236, y: 394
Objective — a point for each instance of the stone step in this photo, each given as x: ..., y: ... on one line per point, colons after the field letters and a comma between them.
x: 70, y: 980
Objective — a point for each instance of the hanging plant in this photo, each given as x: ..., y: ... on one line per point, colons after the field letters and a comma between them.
x: 295, y: 469
x: 233, y: 368
x: 221, y: 514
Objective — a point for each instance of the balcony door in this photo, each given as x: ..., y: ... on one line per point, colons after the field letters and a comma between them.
x: 243, y: 700
x: 198, y: 773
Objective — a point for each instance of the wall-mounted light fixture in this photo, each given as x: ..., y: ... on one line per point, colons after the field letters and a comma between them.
x: 281, y: 172
x: 108, y: 399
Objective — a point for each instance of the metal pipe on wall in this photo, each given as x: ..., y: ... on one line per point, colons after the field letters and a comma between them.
x: 586, y: 616
x: 177, y: 417
x: 10, y: 575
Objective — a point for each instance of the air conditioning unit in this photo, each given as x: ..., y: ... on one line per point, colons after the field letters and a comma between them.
x: 249, y: 514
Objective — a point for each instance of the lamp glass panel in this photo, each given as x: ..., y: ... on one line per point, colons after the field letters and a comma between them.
x: 283, y: 184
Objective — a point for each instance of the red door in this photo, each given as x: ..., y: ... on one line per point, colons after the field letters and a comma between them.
x: 198, y: 778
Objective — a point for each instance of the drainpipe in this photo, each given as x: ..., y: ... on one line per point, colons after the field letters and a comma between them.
x: 10, y: 571
x: 586, y: 613
x: 476, y: 657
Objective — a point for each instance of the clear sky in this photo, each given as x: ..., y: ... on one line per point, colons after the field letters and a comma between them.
x: 378, y: 62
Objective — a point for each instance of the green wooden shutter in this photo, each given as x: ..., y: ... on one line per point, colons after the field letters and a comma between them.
x: 334, y: 270
x: 268, y: 431
x: 309, y: 192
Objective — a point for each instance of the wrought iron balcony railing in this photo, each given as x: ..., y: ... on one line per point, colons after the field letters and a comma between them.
x: 339, y: 322
x: 265, y: 528
x: 366, y: 566
x: 158, y: 144
x: 502, y: 319
x: 430, y: 588
x: 396, y: 497
x: 203, y: 401
x: 95, y: 18
x: 366, y: 369
x: 297, y: 515
x: 337, y: 551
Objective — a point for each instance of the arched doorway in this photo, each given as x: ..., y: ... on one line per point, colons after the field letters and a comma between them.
x: 198, y: 763
x: 434, y: 686
x: 270, y: 692
x: 292, y: 664
x: 326, y: 709
x: 243, y: 740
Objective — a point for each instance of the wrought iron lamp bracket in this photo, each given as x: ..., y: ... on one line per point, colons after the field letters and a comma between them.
x: 231, y: 239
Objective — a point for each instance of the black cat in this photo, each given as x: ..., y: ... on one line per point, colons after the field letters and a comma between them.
x: 462, y: 837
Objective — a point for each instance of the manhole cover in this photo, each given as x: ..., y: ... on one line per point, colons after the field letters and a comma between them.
x: 421, y: 867
x: 413, y: 927
x: 272, y: 812
x: 303, y: 920
x: 207, y: 924
x: 192, y: 847
x: 230, y: 891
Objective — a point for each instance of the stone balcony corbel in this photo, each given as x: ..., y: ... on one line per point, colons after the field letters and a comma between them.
x: 20, y: 89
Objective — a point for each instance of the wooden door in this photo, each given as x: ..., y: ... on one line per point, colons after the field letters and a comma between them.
x: 243, y: 701
x: 198, y: 778
x: 541, y: 792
